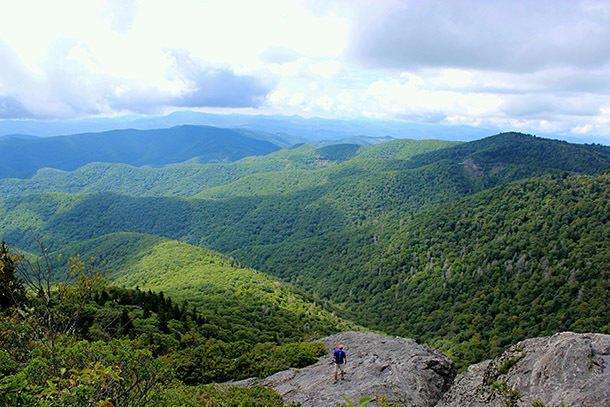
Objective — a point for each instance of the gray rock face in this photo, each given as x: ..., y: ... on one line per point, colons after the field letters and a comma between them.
x: 395, y: 368
x: 568, y: 368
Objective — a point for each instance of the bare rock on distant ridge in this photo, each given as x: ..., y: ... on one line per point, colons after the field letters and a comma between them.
x: 396, y: 368
x: 568, y: 368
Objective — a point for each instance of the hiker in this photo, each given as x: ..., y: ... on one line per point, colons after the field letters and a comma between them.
x: 340, y: 359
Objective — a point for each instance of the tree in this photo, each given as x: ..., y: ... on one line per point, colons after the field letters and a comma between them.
x: 12, y: 290
x: 55, y: 308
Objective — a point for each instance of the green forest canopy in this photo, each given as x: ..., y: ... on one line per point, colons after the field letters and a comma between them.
x: 444, y: 243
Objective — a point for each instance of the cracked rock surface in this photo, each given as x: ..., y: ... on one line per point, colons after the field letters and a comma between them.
x: 377, y: 366
x: 568, y: 368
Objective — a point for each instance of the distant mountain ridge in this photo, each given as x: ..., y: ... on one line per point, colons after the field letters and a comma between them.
x: 522, y: 149
x: 281, y: 206
x: 299, y: 129
x: 190, y: 179
x: 21, y: 157
x: 19, y: 136
x: 466, y: 246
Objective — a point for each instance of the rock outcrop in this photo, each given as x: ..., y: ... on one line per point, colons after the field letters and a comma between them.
x: 568, y: 368
x: 377, y: 366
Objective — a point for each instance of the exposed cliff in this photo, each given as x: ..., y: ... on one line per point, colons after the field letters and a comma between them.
x: 395, y: 368
x: 568, y: 368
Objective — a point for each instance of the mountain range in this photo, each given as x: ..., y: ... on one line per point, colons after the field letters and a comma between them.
x: 21, y: 157
x: 298, y: 129
x: 466, y: 246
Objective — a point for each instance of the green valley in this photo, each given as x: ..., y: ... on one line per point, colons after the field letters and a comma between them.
x: 239, y: 304
x: 467, y: 247
x: 190, y: 178
x: 82, y: 341
x: 526, y: 259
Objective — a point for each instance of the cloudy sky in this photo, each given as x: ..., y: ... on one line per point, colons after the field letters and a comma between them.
x: 538, y: 66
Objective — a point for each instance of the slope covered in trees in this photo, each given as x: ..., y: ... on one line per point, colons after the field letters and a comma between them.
x: 526, y: 259
x: 353, y: 196
x: 288, y: 206
x: 238, y: 304
x: 423, y: 245
x: 21, y: 158
x: 189, y: 179
x: 504, y: 149
x: 81, y: 341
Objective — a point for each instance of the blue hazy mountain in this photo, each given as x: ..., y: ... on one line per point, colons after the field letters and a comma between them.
x: 309, y: 130
x: 18, y: 136
x: 22, y: 157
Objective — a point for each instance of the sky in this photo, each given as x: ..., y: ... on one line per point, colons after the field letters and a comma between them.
x: 530, y: 65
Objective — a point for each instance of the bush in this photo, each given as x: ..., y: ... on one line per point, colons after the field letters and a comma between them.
x: 213, y: 396
x: 85, y: 373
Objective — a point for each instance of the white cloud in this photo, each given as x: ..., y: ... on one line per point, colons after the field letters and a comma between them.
x: 326, y: 69
x: 119, y: 14
x: 297, y: 99
x: 82, y: 55
x: 524, y: 64
x: 518, y: 36
x: 292, y: 68
x: 345, y: 97
x: 92, y: 57
x: 408, y: 96
x: 278, y: 96
x: 585, y: 129
x: 325, y: 102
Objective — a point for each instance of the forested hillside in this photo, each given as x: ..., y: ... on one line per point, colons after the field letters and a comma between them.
x: 287, y: 206
x: 466, y: 246
x: 189, y: 179
x: 258, y: 209
x: 519, y: 149
x: 237, y: 303
x: 350, y: 195
x: 81, y: 341
x: 21, y: 157
x: 522, y: 260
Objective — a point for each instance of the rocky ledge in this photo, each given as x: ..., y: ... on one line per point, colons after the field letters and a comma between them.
x: 395, y: 368
x: 568, y: 368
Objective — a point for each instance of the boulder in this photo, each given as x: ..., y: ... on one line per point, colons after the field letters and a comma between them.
x: 568, y: 368
x: 377, y: 366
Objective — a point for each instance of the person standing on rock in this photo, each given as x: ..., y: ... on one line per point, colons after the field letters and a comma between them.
x: 340, y: 359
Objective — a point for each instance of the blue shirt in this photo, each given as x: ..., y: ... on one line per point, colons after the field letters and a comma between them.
x: 339, y: 356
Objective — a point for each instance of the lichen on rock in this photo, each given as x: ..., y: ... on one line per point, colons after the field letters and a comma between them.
x: 568, y: 368
x: 377, y: 366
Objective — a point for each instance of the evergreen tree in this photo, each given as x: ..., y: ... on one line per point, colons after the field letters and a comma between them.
x: 12, y: 290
